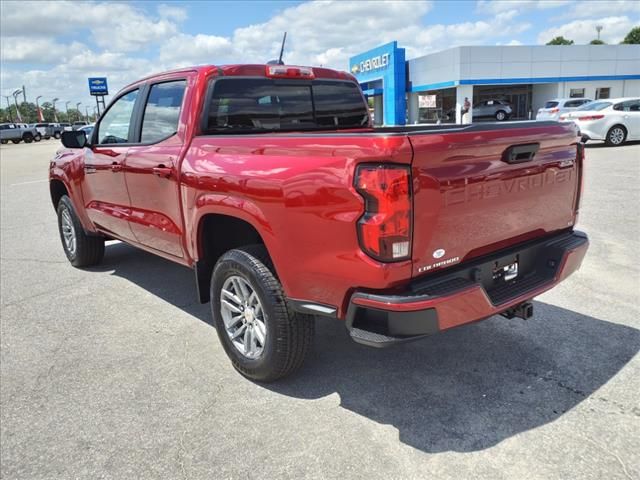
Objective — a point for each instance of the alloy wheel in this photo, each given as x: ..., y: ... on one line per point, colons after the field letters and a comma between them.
x: 616, y: 136
x: 244, y: 317
x: 68, y: 232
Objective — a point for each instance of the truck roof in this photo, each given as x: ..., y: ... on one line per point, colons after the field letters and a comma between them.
x: 250, y: 70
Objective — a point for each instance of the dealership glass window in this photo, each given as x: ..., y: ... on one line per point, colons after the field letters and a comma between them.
x: 576, y: 93
x: 162, y: 111
x: 114, y: 126
x: 603, y: 92
x: 262, y: 104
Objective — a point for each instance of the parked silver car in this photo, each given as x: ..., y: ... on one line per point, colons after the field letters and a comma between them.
x: 498, y: 109
x: 18, y: 132
x: 556, y: 107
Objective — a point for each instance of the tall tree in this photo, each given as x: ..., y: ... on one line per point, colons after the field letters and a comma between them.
x: 633, y: 37
x: 560, y: 41
x: 596, y: 41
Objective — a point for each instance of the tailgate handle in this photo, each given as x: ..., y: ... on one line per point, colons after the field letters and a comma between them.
x: 520, y: 153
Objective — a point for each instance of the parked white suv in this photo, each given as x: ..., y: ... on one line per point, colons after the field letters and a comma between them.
x: 614, y: 120
x: 556, y: 107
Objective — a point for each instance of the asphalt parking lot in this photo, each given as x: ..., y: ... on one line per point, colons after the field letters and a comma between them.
x: 116, y: 372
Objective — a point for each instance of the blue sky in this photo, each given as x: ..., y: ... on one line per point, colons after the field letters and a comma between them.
x: 52, y: 47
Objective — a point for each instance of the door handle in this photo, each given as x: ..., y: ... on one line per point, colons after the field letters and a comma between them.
x: 116, y: 167
x: 162, y: 171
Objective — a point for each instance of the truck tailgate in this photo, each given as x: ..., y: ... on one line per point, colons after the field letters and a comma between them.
x: 473, y: 194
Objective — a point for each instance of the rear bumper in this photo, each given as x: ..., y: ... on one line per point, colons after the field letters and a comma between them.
x: 464, y: 294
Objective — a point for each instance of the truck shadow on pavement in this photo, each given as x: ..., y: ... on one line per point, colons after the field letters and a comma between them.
x: 462, y: 390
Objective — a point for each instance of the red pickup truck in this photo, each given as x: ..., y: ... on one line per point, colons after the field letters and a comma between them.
x: 270, y: 182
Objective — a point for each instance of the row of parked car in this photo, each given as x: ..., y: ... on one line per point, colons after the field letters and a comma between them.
x: 614, y: 120
x: 34, y: 132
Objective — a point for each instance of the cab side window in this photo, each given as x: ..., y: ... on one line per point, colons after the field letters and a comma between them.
x: 162, y: 111
x: 114, y: 126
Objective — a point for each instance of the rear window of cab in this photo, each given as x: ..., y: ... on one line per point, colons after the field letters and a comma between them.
x: 243, y: 105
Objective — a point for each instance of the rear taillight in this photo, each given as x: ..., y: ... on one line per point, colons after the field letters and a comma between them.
x: 284, y: 71
x: 580, y: 164
x: 589, y: 117
x: 384, y: 230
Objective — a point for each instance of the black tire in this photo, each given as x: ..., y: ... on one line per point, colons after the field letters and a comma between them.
x: 89, y: 249
x: 27, y: 137
x: 4, y: 142
x: 289, y: 335
x: 38, y: 137
x: 501, y: 115
x: 616, y: 136
x: 16, y: 141
x: 57, y: 135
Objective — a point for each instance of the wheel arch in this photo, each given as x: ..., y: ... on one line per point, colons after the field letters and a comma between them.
x: 237, y: 231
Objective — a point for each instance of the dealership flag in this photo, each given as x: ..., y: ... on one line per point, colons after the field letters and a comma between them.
x: 40, y: 116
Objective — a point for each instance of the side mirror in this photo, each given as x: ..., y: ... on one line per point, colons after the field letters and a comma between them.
x: 74, y: 139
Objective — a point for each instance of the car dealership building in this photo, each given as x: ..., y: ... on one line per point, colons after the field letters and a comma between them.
x: 433, y: 87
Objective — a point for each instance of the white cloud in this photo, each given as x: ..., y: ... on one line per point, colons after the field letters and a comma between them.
x: 583, y: 31
x: 494, y: 7
x: 116, y: 26
x: 25, y: 49
x: 182, y: 50
x: 172, y: 12
x: 594, y: 8
x: 328, y: 33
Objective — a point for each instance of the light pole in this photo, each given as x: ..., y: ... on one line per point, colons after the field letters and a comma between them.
x: 86, y: 111
x: 55, y: 117
x: 40, y: 116
x: 8, y: 108
x: 78, y: 109
x: 15, y: 99
x: 598, y: 29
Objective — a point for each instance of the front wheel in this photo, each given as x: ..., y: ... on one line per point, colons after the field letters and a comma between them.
x: 4, y: 142
x: 16, y: 141
x: 81, y: 249
x: 264, y: 339
x: 38, y: 137
x: 500, y: 115
x: 28, y: 138
x: 616, y: 136
x: 57, y: 135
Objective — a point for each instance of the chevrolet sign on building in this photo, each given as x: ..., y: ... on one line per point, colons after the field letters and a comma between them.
x: 373, y: 63
x: 379, y: 70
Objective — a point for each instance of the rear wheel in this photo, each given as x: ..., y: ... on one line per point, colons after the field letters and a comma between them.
x: 616, y: 136
x: 38, y: 137
x: 264, y: 339
x: 81, y: 249
x: 501, y: 115
x: 57, y: 135
x: 16, y: 141
x: 27, y: 137
x: 4, y: 141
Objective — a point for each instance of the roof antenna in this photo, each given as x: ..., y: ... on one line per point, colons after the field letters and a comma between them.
x: 279, y: 61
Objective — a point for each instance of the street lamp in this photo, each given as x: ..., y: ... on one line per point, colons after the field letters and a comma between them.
x: 598, y: 29
x: 86, y: 111
x: 8, y: 107
x: 40, y: 116
x: 78, y: 109
x: 55, y: 117
x: 15, y: 99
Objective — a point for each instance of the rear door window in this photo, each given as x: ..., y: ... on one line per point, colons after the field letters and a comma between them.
x: 263, y: 104
x: 551, y: 105
x: 162, y: 111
